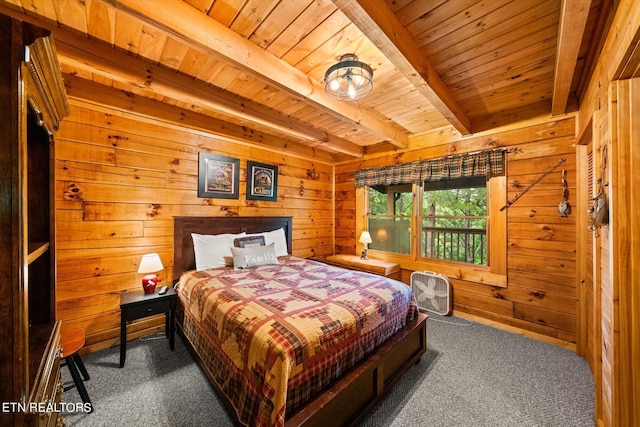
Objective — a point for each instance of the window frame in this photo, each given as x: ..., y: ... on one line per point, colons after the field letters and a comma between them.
x: 396, y: 189
x: 495, y: 274
x: 445, y: 185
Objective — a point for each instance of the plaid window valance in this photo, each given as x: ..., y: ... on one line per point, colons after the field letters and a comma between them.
x: 484, y: 163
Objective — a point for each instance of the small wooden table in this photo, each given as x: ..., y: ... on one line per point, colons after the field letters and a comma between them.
x: 370, y: 265
x: 136, y: 305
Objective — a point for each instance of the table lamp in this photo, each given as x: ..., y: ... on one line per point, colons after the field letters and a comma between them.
x: 149, y: 264
x: 365, y: 239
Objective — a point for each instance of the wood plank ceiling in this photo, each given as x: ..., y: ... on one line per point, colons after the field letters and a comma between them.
x: 260, y: 64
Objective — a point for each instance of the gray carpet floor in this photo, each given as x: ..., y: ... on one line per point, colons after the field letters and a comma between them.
x: 471, y: 375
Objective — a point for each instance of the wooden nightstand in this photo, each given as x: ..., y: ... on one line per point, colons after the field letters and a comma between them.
x: 136, y: 305
x: 370, y: 265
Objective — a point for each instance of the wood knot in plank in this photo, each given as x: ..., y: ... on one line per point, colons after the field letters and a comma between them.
x: 538, y: 294
x: 149, y: 78
x: 116, y: 138
x: 154, y: 211
x: 490, y: 142
x: 73, y: 193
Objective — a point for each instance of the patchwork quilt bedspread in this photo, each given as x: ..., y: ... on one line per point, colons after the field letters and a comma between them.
x: 275, y: 336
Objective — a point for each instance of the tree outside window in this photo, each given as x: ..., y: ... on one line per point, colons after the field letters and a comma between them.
x: 454, y: 220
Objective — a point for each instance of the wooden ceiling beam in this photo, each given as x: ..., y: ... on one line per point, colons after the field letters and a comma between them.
x: 573, y: 21
x: 186, y: 23
x: 112, y: 100
x: 77, y: 52
x: 380, y: 25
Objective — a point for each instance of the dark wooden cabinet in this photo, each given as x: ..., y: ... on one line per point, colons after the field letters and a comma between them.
x: 34, y: 102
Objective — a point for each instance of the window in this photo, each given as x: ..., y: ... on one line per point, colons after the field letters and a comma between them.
x: 389, y: 219
x: 452, y: 219
x: 453, y: 224
x: 438, y: 209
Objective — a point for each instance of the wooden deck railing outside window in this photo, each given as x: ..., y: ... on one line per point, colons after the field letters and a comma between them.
x: 455, y: 244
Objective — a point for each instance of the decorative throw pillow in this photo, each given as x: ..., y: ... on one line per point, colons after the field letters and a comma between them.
x: 212, y: 251
x: 248, y: 241
x: 254, y: 256
x: 276, y: 236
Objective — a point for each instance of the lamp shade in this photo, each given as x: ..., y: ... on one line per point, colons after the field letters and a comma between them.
x: 150, y: 263
x: 365, y: 238
x: 349, y: 79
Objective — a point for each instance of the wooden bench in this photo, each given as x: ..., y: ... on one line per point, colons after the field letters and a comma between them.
x: 370, y: 265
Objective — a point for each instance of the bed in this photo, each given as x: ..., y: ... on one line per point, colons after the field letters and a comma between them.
x: 334, y: 392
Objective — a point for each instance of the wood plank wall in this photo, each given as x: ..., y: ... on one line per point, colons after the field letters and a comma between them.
x: 607, y: 114
x: 616, y: 259
x: 604, y: 384
x: 541, y: 263
x: 119, y: 182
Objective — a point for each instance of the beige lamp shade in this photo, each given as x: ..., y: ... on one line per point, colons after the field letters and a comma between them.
x: 150, y: 263
x: 365, y: 238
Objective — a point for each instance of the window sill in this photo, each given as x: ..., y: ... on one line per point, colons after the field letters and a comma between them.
x: 453, y: 270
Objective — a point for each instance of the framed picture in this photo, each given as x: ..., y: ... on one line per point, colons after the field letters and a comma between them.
x: 218, y: 176
x: 262, y: 181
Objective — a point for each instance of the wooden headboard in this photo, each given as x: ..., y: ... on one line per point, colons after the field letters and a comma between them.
x: 183, y: 226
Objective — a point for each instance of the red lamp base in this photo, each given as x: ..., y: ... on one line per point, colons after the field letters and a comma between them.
x: 149, y: 283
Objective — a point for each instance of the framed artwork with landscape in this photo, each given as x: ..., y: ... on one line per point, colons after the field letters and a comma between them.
x: 218, y: 176
x: 262, y: 181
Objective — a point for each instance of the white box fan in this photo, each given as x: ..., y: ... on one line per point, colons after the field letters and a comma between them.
x: 432, y: 291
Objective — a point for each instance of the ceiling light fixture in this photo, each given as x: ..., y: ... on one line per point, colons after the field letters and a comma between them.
x: 349, y: 79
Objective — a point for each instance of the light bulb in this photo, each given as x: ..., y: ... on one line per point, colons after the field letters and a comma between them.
x: 351, y: 90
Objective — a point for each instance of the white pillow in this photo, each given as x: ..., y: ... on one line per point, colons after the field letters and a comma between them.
x: 213, y: 251
x: 277, y: 237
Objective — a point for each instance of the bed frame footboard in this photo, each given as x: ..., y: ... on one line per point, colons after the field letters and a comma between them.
x: 349, y: 399
x: 354, y: 394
